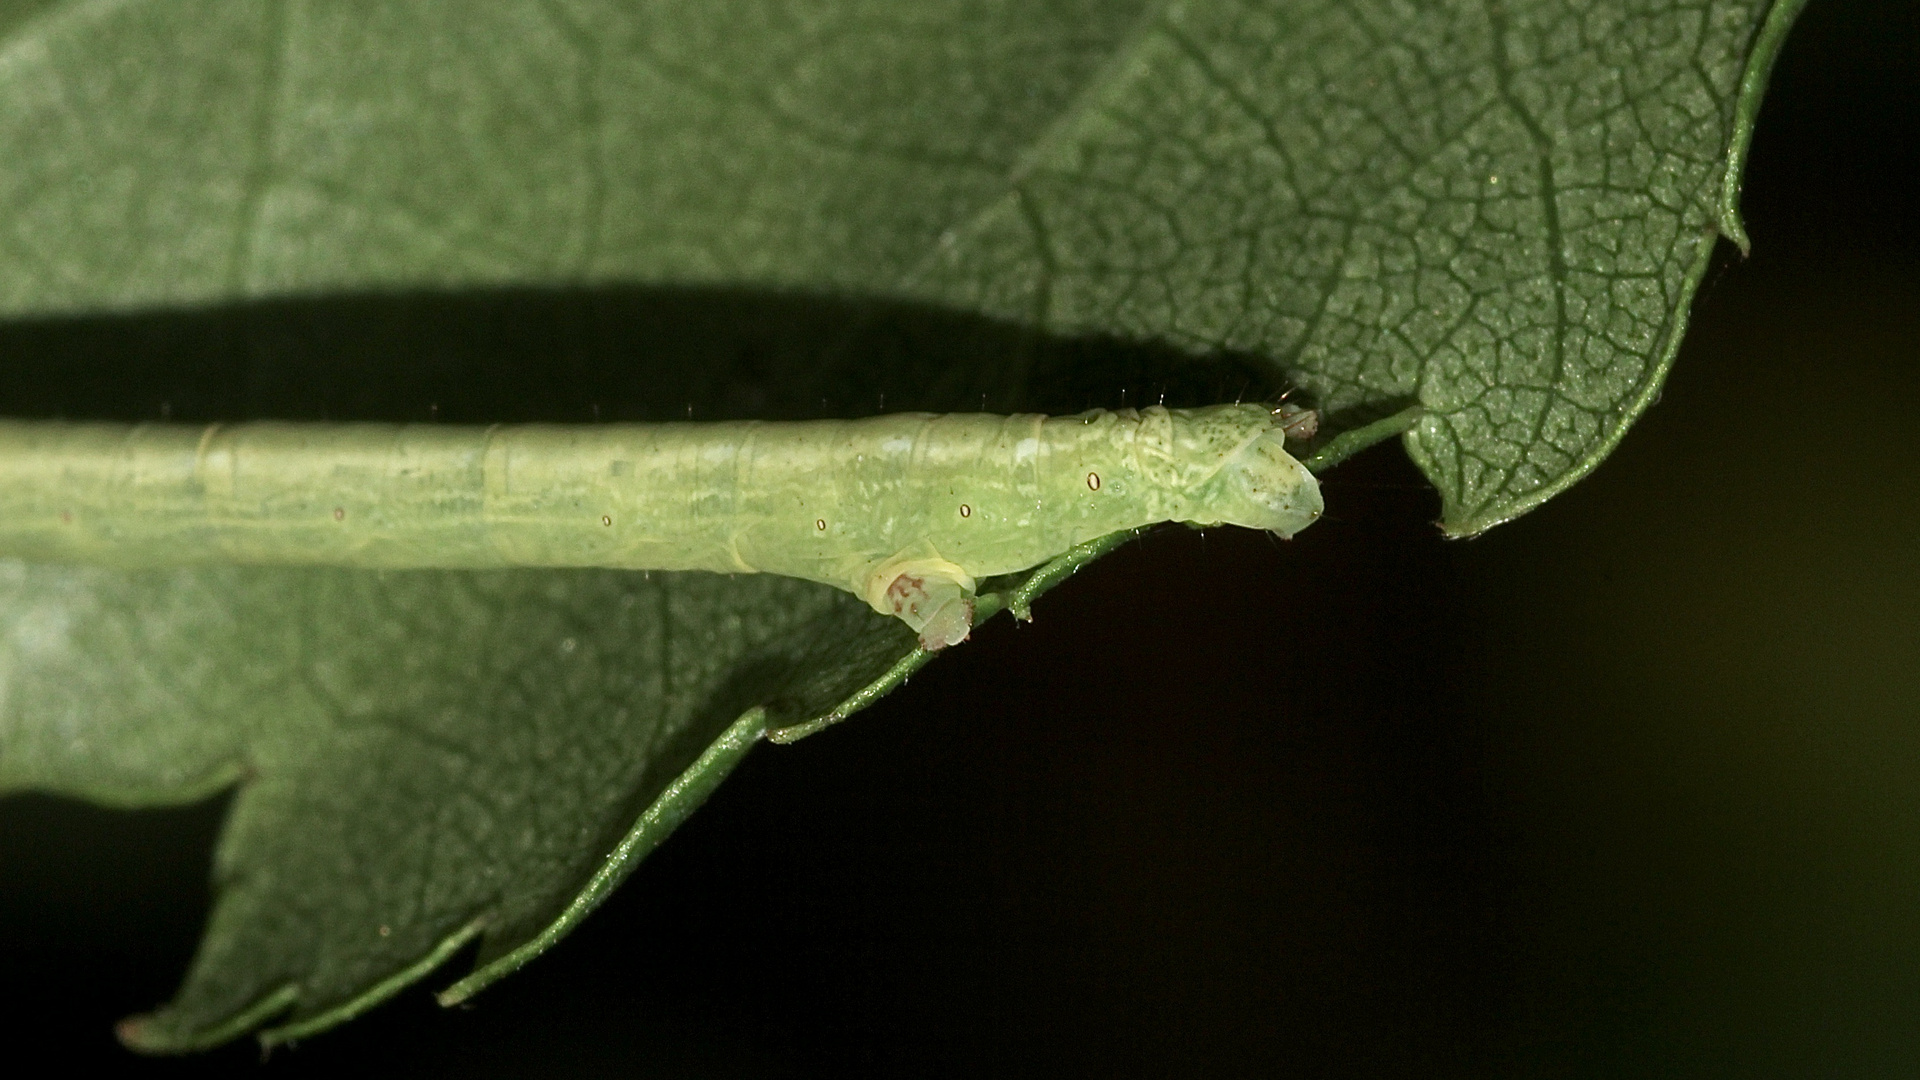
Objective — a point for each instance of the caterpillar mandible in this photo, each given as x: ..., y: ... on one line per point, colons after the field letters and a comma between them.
x: 907, y: 511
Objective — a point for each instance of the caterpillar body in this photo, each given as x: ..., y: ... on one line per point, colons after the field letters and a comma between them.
x: 906, y: 511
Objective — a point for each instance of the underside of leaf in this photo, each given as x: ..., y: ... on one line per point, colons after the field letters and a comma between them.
x: 1477, y: 223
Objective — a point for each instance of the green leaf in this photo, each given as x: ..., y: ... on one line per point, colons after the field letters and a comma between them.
x: 423, y: 756
x: 1478, y: 223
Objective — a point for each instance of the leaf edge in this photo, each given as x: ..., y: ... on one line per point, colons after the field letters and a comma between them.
x: 1767, y: 42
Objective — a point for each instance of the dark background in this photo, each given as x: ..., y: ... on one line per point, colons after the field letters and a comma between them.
x: 1630, y: 787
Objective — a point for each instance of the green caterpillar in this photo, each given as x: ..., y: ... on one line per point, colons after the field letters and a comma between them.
x: 907, y: 511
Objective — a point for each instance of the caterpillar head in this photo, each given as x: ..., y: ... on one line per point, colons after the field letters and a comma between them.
x: 1261, y: 486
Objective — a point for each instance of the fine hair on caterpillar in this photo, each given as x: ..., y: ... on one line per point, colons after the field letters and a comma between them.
x: 908, y: 511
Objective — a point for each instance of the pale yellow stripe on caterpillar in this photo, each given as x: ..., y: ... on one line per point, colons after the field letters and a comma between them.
x: 906, y: 511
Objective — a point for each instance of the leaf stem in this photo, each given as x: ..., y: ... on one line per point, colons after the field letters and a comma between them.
x: 1348, y: 443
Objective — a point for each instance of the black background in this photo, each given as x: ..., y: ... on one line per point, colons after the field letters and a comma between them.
x: 1629, y: 787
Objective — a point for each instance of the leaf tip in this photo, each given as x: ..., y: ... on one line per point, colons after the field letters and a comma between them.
x: 457, y: 994
x: 161, y: 1032
x: 136, y: 1033
x: 1466, y: 528
x: 1731, y: 225
x: 1746, y: 110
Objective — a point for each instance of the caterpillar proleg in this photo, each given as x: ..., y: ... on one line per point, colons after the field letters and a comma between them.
x: 906, y: 511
